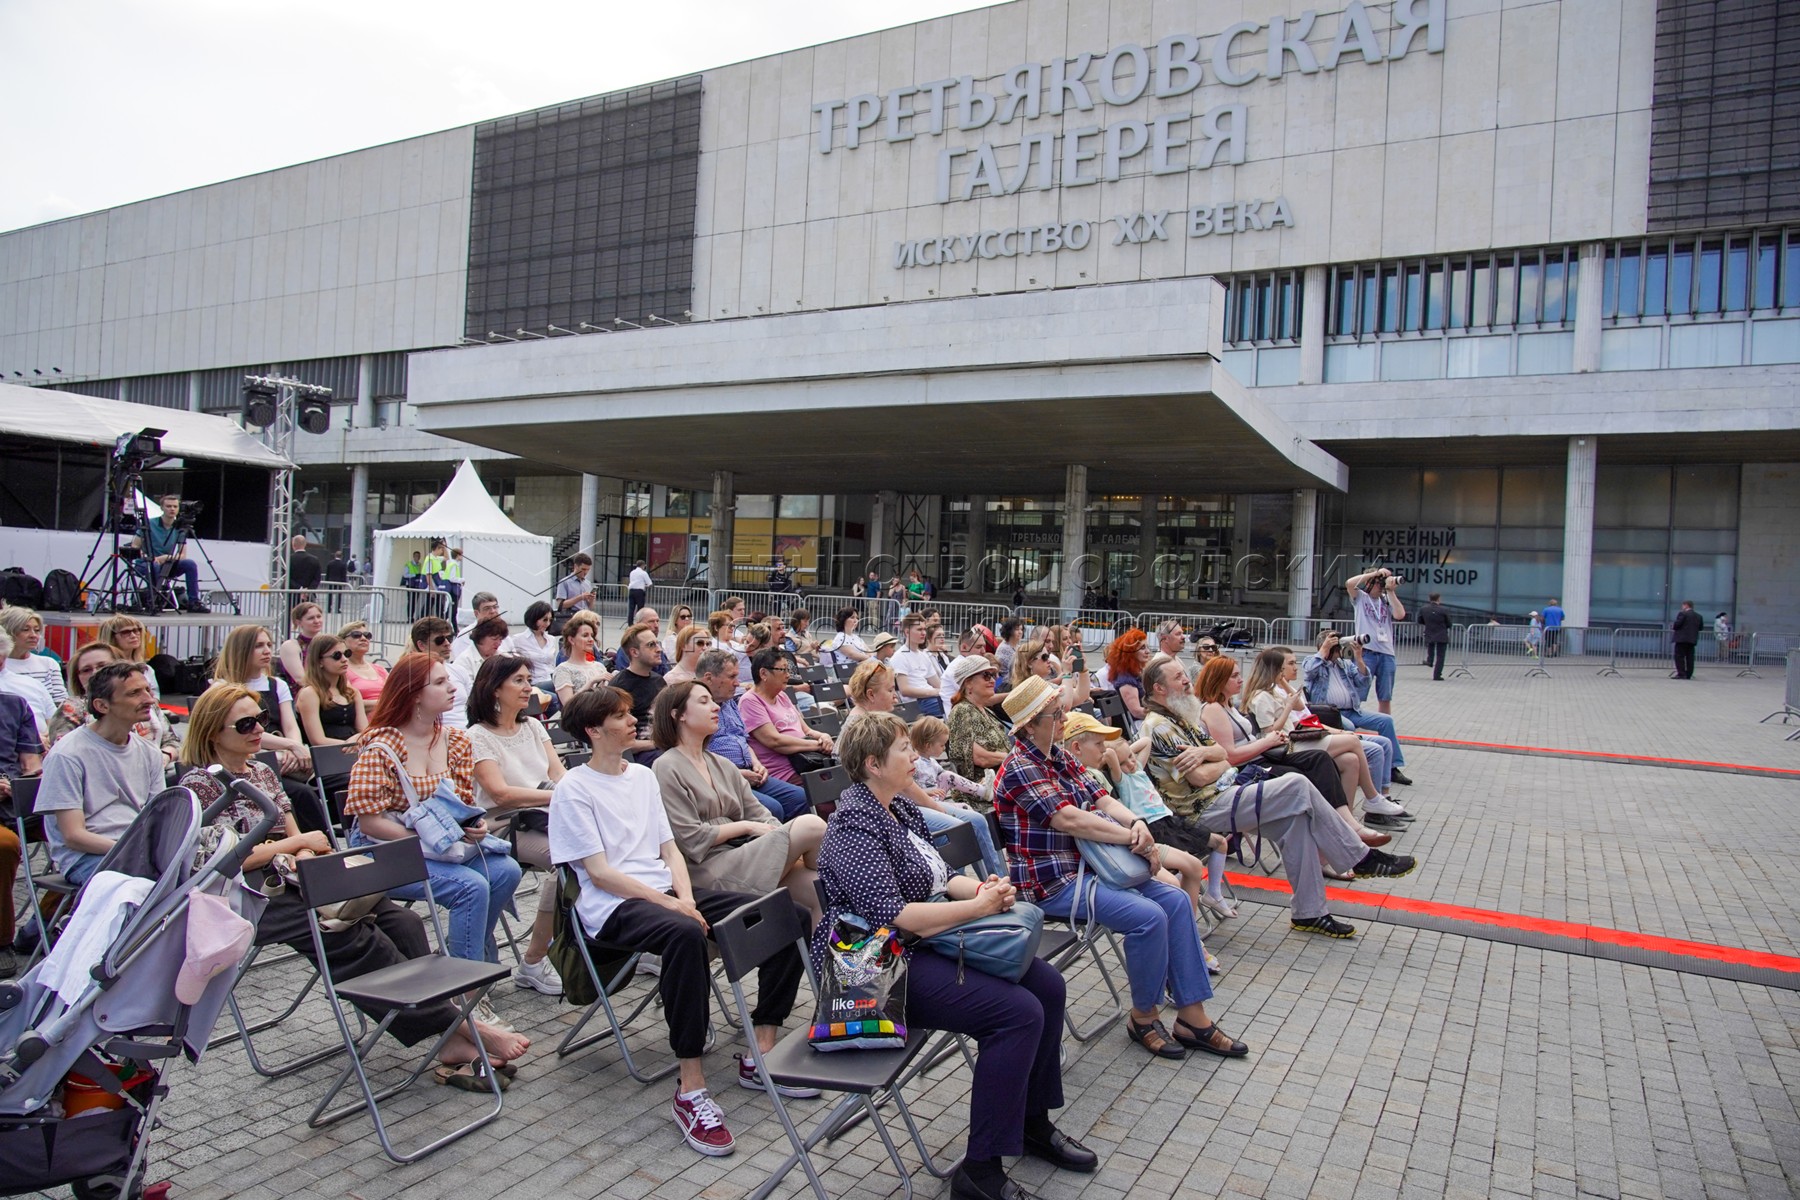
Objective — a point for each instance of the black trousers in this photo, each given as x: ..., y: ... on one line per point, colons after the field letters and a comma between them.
x: 634, y: 600
x: 390, y: 935
x: 1684, y: 660
x: 1435, y: 653
x: 639, y: 925
x: 1319, y: 768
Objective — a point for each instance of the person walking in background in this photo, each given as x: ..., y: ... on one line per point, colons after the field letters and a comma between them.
x: 1434, y: 619
x: 1722, y: 635
x: 637, y: 588
x: 1534, y: 633
x: 1553, y: 623
x: 1686, y: 627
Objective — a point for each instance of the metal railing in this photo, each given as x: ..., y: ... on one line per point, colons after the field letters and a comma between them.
x: 1096, y: 626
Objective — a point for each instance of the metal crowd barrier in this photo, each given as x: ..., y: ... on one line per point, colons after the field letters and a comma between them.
x: 1096, y: 626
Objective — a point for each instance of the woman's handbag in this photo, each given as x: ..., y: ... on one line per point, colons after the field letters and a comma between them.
x: 1112, y: 865
x: 1000, y: 944
x: 862, y: 990
x: 806, y: 761
x: 1329, y: 715
x: 1308, y: 729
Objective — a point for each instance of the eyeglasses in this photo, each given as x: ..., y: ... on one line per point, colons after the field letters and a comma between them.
x: 703, y: 643
x: 782, y: 670
x: 335, y: 656
x: 243, y: 725
x: 442, y: 639
x: 134, y: 630
x: 1046, y: 656
x: 1207, y: 646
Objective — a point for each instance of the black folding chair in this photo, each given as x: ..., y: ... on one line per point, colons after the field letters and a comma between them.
x: 28, y: 824
x: 824, y: 786
x: 1112, y: 710
x: 620, y: 967
x: 908, y: 711
x: 827, y: 722
x: 843, y: 670
x: 830, y: 692
x: 816, y: 675
x: 747, y: 939
x: 403, y: 987
x: 331, y: 777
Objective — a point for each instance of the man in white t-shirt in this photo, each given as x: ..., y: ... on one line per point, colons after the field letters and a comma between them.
x: 1376, y: 595
x: 607, y: 821
x: 915, y: 671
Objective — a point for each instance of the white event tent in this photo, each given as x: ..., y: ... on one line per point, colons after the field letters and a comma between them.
x: 498, y: 556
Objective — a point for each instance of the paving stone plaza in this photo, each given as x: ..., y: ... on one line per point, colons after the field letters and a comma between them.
x: 1409, y: 1061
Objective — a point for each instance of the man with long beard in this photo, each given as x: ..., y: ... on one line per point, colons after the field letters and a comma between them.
x: 1187, y: 767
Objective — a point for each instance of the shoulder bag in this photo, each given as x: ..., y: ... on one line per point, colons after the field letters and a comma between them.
x: 438, y: 818
x: 1000, y: 944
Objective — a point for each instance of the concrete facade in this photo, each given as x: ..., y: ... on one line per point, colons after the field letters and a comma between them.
x: 1769, y: 548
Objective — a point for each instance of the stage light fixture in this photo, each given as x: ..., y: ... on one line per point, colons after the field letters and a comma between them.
x: 260, y: 403
x: 315, y: 413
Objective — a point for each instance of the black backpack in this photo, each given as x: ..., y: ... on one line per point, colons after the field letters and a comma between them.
x: 61, y: 591
x: 19, y: 589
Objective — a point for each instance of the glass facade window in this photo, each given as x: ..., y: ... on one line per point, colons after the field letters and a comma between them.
x: 1263, y: 308
x: 1454, y: 293
x: 1653, y: 278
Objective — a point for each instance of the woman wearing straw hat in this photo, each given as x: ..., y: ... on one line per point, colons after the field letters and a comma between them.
x: 1045, y: 803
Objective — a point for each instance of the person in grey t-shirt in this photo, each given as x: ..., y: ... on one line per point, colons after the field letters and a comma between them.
x: 98, y: 778
x: 573, y: 591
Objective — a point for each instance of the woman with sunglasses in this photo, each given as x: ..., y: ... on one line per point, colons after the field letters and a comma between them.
x: 690, y: 644
x: 226, y: 728
x: 680, y: 617
x: 537, y: 646
x: 1038, y: 658
x: 364, y: 674
x: 331, y: 712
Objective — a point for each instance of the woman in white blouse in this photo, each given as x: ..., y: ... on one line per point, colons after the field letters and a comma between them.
x: 1274, y: 698
x: 535, y: 645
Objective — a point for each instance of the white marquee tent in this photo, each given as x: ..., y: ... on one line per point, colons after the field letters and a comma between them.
x: 498, y: 556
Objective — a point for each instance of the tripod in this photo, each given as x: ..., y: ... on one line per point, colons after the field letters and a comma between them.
x: 116, y: 585
x: 230, y: 596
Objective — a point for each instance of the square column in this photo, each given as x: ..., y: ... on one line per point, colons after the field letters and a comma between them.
x: 1143, y: 587
x: 359, y: 518
x: 724, y: 504
x: 1302, y: 558
x: 973, y: 576
x: 1312, y: 325
x: 589, y: 514
x: 1074, y: 539
x: 1578, y: 530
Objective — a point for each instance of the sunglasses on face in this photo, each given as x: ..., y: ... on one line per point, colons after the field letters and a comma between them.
x: 1208, y: 647
x: 442, y: 639
x: 243, y: 725
x: 335, y: 656
x: 360, y: 635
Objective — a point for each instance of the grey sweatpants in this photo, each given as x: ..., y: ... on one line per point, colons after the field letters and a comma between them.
x: 1299, y: 821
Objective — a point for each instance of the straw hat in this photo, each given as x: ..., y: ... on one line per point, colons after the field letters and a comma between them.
x: 967, y: 667
x: 1026, y: 701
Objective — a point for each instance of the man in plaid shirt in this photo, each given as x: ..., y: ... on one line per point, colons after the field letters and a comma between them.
x: 1045, y: 802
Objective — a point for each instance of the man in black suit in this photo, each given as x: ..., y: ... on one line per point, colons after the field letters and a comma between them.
x: 1687, y: 633
x: 1435, y: 620
x: 304, y: 569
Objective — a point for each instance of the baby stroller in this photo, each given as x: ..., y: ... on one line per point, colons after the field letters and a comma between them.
x: 100, y: 1014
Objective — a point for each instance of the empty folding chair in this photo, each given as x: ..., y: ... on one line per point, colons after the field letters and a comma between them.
x: 816, y: 675
x: 829, y: 693
x: 824, y: 786
x: 331, y: 778
x: 843, y: 670
x: 404, y: 987
x: 750, y: 937
x: 827, y: 722
x: 907, y: 711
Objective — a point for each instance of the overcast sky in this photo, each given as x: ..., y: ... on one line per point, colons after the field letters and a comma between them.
x: 110, y: 101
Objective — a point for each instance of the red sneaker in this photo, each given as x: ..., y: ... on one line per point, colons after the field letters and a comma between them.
x: 703, y: 1124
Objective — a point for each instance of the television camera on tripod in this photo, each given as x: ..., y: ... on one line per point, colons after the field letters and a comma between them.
x: 149, y: 551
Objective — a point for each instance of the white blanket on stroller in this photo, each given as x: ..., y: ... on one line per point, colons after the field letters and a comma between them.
x: 106, y: 903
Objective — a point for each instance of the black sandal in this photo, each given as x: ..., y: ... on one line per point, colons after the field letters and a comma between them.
x: 1154, y: 1038
x: 1202, y: 1039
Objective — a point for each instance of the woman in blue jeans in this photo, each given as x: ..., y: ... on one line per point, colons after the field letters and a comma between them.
x: 404, y: 729
x: 877, y: 863
x: 1045, y: 802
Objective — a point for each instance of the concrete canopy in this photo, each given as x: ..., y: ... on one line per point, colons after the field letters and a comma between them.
x: 988, y: 394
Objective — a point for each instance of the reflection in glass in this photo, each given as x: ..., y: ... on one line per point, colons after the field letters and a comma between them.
x: 1656, y: 281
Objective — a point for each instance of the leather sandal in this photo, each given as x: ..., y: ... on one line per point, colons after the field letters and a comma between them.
x: 1154, y: 1038
x: 1209, y: 1040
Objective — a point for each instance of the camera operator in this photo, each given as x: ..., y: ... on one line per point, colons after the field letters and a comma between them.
x: 1376, y: 597
x: 164, y: 545
x: 1336, y: 676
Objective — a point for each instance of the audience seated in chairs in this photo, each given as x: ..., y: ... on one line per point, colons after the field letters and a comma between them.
x: 1045, y: 802
x: 99, y: 777
x: 1272, y: 696
x: 21, y: 753
x: 579, y: 668
x: 223, y: 728
x: 607, y: 820
x: 1037, y: 659
x: 690, y: 644
x: 26, y: 628
x: 730, y: 841
x: 844, y: 646
x: 771, y: 720
x: 916, y: 672
x: 247, y: 659
x: 641, y: 654
x: 364, y: 673
x: 433, y: 637
x: 1220, y: 683
x: 717, y: 671
x: 537, y: 645
x: 88, y: 658
x: 331, y: 711
x: 307, y: 619
x: 514, y: 766
x: 1171, y: 638
x: 486, y: 638
x: 877, y: 863
x: 1187, y: 766
x: 25, y: 687
x: 405, y: 735
x: 872, y: 688
x: 485, y: 606
x: 680, y: 617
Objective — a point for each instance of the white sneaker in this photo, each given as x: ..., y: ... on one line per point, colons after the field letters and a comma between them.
x: 1221, y: 907
x: 649, y: 964
x: 1381, y: 806
x: 484, y: 1012
x: 539, y: 976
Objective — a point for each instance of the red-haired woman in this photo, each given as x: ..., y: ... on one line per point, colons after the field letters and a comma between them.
x: 1125, y: 662
x: 404, y: 726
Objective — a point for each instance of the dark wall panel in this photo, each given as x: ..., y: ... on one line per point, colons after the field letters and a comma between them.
x: 585, y: 212
x: 1725, y: 122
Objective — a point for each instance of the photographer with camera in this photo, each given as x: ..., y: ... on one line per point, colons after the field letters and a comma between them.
x: 164, y: 545
x: 1335, y: 678
x: 1376, y: 598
